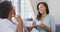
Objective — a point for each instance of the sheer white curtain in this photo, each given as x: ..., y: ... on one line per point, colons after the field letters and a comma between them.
x: 26, y: 9
x: 15, y: 3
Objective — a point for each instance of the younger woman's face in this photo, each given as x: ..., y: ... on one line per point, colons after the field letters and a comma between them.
x: 42, y: 8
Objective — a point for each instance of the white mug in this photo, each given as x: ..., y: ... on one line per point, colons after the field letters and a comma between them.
x: 38, y: 22
x: 29, y: 24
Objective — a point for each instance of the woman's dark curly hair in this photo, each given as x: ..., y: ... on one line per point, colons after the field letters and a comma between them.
x: 5, y: 8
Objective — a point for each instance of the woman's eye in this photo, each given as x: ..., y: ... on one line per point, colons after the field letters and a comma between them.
x: 41, y: 7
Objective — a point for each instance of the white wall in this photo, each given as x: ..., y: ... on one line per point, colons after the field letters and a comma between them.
x: 34, y: 4
x: 54, y: 8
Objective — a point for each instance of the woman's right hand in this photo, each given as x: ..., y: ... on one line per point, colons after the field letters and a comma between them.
x: 20, y: 24
x: 34, y: 23
x: 18, y: 18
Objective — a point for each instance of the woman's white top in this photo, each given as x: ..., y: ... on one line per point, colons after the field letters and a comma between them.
x: 7, y: 25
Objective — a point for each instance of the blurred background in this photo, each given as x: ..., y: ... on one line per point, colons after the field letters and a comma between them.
x: 27, y: 9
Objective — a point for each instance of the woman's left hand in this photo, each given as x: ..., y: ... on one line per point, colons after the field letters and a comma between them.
x: 45, y: 27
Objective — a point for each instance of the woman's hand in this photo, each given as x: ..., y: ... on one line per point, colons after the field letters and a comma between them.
x: 20, y: 24
x: 45, y: 27
x: 34, y: 23
x: 18, y: 18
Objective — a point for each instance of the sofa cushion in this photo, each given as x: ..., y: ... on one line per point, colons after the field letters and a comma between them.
x: 57, y: 28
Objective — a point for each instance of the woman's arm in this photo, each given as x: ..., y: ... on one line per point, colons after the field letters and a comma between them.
x: 52, y: 25
x: 45, y: 27
x: 20, y: 24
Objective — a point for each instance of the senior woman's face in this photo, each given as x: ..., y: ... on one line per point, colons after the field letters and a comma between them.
x: 42, y: 8
x: 12, y: 12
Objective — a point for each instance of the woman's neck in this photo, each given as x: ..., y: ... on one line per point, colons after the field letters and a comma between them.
x: 43, y: 16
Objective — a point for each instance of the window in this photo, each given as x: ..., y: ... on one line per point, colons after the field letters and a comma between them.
x: 15, y: 3
x: 26, y: 9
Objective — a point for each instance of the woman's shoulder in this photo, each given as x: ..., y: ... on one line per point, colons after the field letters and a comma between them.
x: 4, y: 21
x: 50, y: 16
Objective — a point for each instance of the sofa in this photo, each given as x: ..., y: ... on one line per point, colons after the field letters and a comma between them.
x: 57, y: 27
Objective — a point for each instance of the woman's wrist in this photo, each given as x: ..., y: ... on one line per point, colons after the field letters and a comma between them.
x: 48, y: 29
